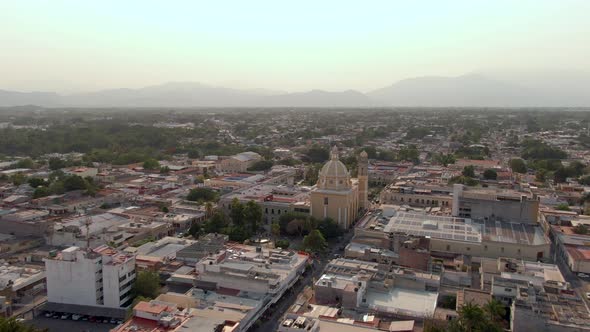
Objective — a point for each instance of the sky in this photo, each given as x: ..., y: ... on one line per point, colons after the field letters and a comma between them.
x: 73, y: 46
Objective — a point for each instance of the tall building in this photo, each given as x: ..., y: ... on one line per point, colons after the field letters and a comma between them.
x: 100, y: 277
x: 336, y: 195
x: 363, y: 179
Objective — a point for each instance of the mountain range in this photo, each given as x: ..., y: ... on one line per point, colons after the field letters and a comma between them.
x: 473, y: 90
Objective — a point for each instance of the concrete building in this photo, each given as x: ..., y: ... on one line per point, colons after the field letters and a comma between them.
x: 388, y: 228
x: 20, y: 283
x: 407, y: 193
x: 369, y: 287
x: 100, y: 277
x: 503, y: 205
x: 239, y: 163
x: 336, y: 195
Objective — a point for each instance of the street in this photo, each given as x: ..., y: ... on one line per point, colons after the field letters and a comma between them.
x: 271, y: 323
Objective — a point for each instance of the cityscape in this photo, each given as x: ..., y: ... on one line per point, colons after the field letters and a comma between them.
x: 389, y: 177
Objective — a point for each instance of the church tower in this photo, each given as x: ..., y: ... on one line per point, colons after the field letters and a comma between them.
x: 363, y: 178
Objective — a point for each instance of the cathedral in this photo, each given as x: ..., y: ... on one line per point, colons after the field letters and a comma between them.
x: 336, y: 195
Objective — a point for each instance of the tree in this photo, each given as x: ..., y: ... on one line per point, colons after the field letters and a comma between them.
x: 18, y: 179
x: 275, y: 230
x: 236, y: 213
x: 217, y: 223
x: 36, y: 182
x: 252, y: 216
x: 208, y: 209
x: 147, y: 284
x: 463, y: 180
x: 25, y: 163
x: 490, y: 174
x: 283, y: 244
x: 12, y: 325
x: 202, y: 195
x: 580, y: 229
x: 318, y: 154
x: 541, y: 175
x: 314, y: 242
x: 535, y: 149
x: 495, y: 310
x: 56, y: 163
x: 311, y: 174
x: 41, y: 191
x: 164, y: 170
x: 288, y: 217
x: 151, y: 164
x: 518, y: 165
x: 74, y: 182
x: 409, y: 153
x: 329, y: 228
x: 445, y: 159
x: 468, y: 171
x: 261, y: 165
x: 563, y: 207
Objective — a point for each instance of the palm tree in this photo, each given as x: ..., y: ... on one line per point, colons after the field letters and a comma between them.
x: 471, y: 316
x: 495, y: 310
x: 208, y: 209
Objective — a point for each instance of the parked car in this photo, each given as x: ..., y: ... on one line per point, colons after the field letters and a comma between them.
x: 582, y: 275
x: 65, y: 316
x: 76, y: 317
x: 49, y: 314
x: 588, y: 295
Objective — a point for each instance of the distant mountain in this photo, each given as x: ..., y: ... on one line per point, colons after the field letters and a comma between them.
x: 13, y: 98
x: 432, y: 91
x: 467, y: 90
x: 473, y: 90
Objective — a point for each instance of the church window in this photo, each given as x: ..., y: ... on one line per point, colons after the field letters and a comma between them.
x: 325, y: 200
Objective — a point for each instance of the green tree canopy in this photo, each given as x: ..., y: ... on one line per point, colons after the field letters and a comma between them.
x: 518, y: 165
x: 147, y: 284
x: 468, y: 171
x: 314, y: 242
x: 490, y: 174
x: 261, y: 165
x: 151, y: 163
x: 202, y: 195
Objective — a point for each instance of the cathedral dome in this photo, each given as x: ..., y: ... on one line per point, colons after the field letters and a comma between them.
x: 334, y: 175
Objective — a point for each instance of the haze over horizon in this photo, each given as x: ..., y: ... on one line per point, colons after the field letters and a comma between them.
x: 73, y: 46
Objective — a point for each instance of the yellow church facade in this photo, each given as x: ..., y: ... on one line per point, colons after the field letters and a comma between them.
x: 336, y: 195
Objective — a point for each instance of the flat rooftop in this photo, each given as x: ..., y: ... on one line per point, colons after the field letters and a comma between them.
x: 405, y: 302
x: 466, y: 230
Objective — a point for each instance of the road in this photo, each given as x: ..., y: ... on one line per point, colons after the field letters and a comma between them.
x: 271, y: 320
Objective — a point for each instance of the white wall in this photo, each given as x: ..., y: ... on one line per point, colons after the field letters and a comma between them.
x: 72, y: 282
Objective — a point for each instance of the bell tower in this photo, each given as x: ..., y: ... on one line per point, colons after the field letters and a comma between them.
x: 363, y: 178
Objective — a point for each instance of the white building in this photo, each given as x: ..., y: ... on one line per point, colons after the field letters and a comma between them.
x: 99, y: 277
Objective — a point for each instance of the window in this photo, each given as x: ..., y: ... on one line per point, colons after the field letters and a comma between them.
x: 502, y: 249
x: 272, y: 211
x: 468, y: 248
x: 485, y: 248
x: 325, y: 200
x: 448, y: 247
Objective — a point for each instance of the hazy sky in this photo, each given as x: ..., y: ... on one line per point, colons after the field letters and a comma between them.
x: 81, y: 45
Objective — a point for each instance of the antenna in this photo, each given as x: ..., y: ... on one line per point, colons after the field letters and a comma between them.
x: 87, y: 222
